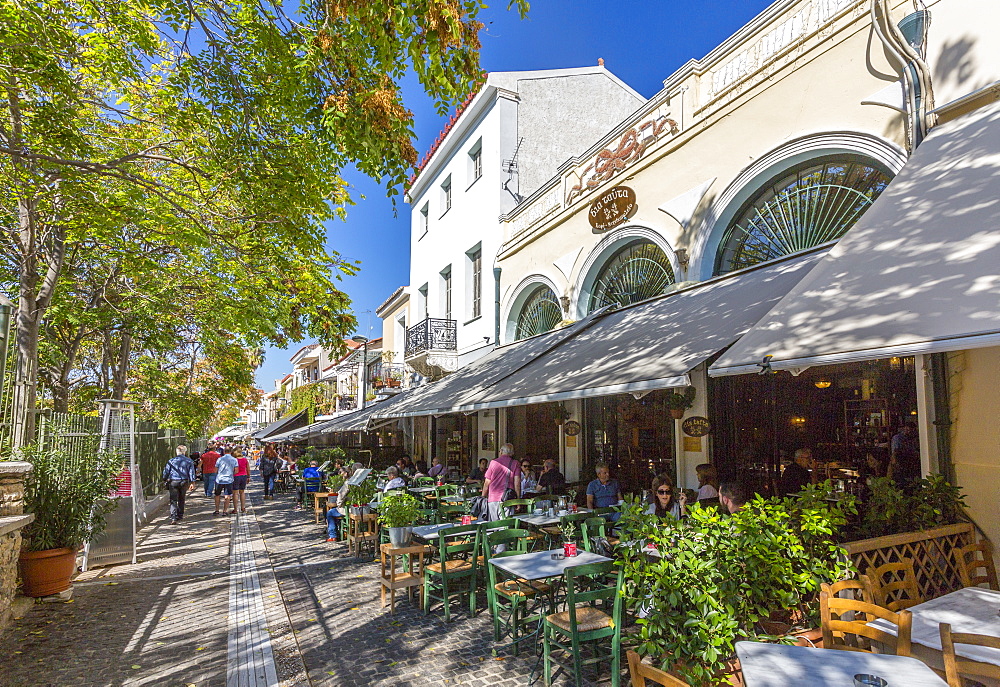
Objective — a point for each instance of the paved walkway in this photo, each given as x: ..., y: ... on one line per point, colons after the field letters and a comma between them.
x: 260, y: 599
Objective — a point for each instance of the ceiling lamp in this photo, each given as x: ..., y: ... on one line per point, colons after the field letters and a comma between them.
x: 823, y: 383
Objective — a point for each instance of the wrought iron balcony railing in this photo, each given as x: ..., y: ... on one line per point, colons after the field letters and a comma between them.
x: 431, y: 335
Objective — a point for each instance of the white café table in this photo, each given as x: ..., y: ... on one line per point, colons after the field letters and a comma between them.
x: 540, y: 565
x: 971, y: 609
x: 428, y: 532
x: 780, y: 665
x: 544, y: 520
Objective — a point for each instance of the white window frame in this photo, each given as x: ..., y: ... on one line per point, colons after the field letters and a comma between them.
x: 475, y: 162
x: 474, y: 281
x: 446, y: 195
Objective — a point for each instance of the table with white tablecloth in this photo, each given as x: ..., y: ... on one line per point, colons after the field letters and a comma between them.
x: 972, y: 609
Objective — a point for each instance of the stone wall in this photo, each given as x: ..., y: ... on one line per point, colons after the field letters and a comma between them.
x: 12, y: 519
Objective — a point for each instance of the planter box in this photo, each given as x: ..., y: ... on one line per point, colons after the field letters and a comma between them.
x: 931, y: 551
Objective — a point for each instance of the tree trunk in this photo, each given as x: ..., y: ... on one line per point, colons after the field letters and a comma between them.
x: 121, y: 370
x: 25, y: 372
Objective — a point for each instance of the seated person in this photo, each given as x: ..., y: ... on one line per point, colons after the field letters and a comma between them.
x: 551, y: 481
x: 663, y: 502
x: 421, y: 469
x: 338, y: 501
x: 403, y: 467
x: 708, y: 483
x: 603, y: 491
x: 395, y: 481
x: 438, y: 468
x: 478, y: 473
x: 308, y: 484
x: 529, y: 480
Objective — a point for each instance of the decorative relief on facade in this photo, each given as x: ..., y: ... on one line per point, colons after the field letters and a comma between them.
x: 609, y: 162
x: 813, y: 17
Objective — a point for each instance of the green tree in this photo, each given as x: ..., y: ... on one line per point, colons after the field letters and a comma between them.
x: 207, y: 125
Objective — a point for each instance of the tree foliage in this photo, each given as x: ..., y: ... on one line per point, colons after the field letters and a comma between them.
x: 168, y: 166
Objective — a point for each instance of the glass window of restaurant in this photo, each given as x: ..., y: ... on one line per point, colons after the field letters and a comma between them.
x: 635, y: 437
x: 534, y: 432
x: 847, y: 414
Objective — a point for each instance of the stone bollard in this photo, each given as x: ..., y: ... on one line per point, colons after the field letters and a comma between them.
x: 12, y: 519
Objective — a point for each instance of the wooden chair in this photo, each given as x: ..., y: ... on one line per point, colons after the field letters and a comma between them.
x: 447, y: 493
x: 452, y: 512
x: 975, y: 565
x: 855, y: 634
x: 859, y: 590
x: 583, y: 622
x: 509, y: 598
x: 957, y: 667
x: 597, y: 527
x: 900, y: 591
x: 455, y: 571
x: 510, y: 505
x: 640, y: 672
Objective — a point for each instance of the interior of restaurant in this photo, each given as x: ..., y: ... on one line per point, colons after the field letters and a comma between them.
x: 534, y: 432
x: 635, y: 437
x: 847, y: 414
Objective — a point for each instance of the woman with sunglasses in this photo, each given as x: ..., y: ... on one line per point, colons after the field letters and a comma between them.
x: 664, y: 502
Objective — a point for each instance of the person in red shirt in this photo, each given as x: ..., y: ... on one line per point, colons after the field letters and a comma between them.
x: 240, y: 479
x: 208, y: 459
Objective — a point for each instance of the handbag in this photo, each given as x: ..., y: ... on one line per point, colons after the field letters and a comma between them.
x: 509, y: 492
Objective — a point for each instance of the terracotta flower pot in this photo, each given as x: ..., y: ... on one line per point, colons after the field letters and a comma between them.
x: 677, y: 413
x: 44, y: 573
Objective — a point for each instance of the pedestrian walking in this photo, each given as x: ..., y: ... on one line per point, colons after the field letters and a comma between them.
x: 225, y: 474
x: 208, y: 459
x: 240, y: 480
x: 178, y: 475
x: 269, y: 471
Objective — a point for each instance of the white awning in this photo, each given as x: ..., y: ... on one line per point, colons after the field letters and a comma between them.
x: 646, y: 346
x: 919, y: 273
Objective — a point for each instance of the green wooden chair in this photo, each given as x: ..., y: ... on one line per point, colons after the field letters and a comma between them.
x: 423, y: 481
x: 427, y: 516
x: 583, y: 622
x: 528, y: 504
x: 446, y: 492
x: 509, y: 598
x: 597, y: 527
x: 452, y: 512
x: 455, y: 571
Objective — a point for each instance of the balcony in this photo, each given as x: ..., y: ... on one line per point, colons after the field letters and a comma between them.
x: 431, y: 347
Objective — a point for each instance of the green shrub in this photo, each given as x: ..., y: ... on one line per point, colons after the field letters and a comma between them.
x: 68, y: 495
x: 720, y: 575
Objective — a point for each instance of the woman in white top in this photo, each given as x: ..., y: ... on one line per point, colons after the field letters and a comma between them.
x: 529, y: 478
x: 663, y: 501
x: 708, y: 481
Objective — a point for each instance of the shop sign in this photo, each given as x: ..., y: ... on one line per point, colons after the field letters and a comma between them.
x: 696, y: 426
x: 612, y: 208
x: 692, y: 444
x: 571, y: 428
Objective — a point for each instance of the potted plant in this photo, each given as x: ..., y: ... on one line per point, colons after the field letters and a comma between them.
x: 398, y: 511
x: 569, y: 539
x: 69, y: 496
x: 360, y: 495
x: 677, y: 403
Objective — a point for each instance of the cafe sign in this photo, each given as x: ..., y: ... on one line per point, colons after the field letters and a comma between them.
x: 696, y: 426
x: 612, y: 208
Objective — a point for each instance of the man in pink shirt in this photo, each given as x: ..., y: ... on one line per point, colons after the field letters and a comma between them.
x: 504, y: 472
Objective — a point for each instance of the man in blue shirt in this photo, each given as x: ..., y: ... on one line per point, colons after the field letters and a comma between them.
x: 603, y: 491
x: 178, y: 475
x: 225, y: 475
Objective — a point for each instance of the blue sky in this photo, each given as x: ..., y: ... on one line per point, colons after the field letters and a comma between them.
x: 643, y: 42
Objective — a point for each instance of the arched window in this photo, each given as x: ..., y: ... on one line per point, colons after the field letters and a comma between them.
x: 637, y: 271
x: 815, y: 202
x: 541, y: 313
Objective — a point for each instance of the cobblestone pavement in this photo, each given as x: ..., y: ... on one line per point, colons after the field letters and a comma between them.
x: 163, y: 621
x: 347, y: 640
x: 160, y: 622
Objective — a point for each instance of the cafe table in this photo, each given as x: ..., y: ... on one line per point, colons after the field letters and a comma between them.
x: 544, y: 519
x: 428, y: 532
x: 421, y: 490
x: 972, y: 609
x: 781, y: 665
x: 540, y: 565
